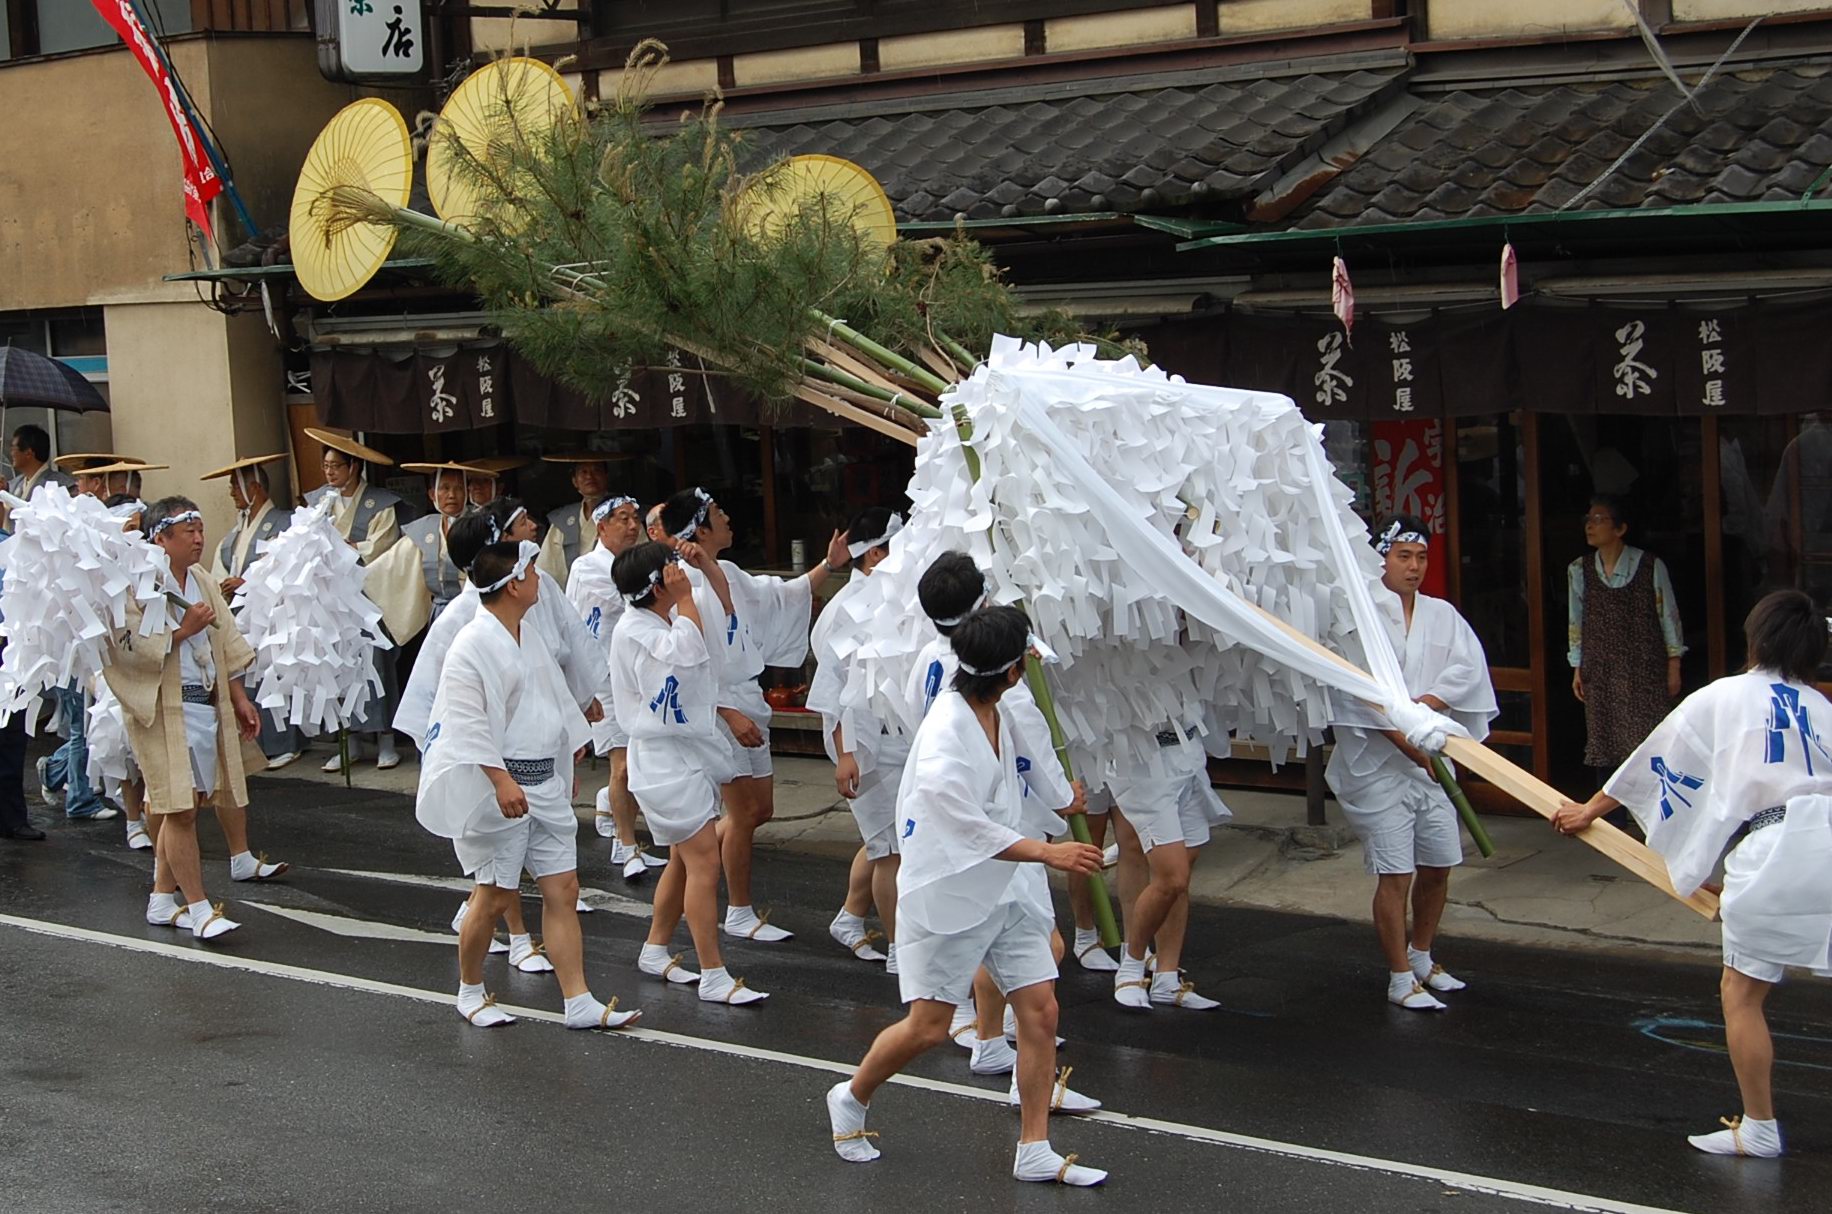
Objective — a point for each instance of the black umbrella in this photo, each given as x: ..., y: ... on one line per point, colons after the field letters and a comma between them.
x: 32, y: 380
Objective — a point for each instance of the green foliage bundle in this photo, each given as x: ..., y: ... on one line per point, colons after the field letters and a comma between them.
x: 607, y: 239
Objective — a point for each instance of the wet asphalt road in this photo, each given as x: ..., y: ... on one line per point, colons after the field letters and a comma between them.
x: 315, y: 1070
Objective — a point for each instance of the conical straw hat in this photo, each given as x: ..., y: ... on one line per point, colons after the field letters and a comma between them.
x: 366, y: 146
x: 498, y: 103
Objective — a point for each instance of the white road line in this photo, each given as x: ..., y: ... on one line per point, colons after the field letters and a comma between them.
x: 356, y: 929
x: 1491, y: 1186
x: 597, y: 899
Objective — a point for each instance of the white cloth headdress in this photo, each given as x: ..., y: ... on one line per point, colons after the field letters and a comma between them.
x: 525, y: 556
x: 685, y: 534
x: 173, y: 520
x: 1398, y: 532
x: 609, y: 505
x: 859, y: 548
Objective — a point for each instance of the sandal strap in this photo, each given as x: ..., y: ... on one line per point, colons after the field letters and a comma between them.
x: 216, y: 912
x: 1735, y: 1126
x: 865, y: 941
x: 758, y: 926
x: 604, y: 1020
x: 674, y: 963
x: 489, y: 1001
x: 1143, y: 983
x: 1068, y: 1161
x: 968, y: 1027
x: 855, y: 1135
x: 1062, y: 1090
x: 737, y: 985
x: 1186, y: 988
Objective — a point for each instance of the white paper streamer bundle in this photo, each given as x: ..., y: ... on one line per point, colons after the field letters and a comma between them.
x: 70, y: 573
x: 302, y: 608
x: 1116, y: 497
x: 111, y: 756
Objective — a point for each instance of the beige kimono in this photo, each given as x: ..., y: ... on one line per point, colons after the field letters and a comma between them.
x: 143, y: 673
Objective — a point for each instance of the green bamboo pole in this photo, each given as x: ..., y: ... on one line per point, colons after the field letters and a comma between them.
x: 1465, y: 810
x: 834, y: 375
x: 1099, y: 902
x: 884, y: 355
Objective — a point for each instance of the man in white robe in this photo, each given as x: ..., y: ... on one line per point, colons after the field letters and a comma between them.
x: 766, y: 624
x: 581, y: 663
x: 664, y: 690
x: 1408, y: 828
x: 867, y: 752
x: 497, y: 782
x: 965, y: 900
x: 593, y: 593
x: 1746, y: 754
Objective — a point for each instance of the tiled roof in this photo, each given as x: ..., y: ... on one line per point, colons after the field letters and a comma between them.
x: 1758, y: 135
x: 1189, y: 144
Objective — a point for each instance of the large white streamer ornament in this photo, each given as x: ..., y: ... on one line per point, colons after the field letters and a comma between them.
x: 1137, y: 516
x: 71, y: 572
x: 302, y: 608
x: 111, y: 755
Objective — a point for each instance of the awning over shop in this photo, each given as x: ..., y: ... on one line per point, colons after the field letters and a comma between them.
x: 443, y: 390
x: 1655, y: 360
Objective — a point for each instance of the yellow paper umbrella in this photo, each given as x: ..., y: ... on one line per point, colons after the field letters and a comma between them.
x: 498, y: 103
x: 849, y: 190
x: 366, y: 146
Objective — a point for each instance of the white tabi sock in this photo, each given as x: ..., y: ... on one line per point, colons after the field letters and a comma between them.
x: 656, y: 961
x: 746, y: 923
x: 1038, y: 1161
x: 964, y: 1027
x: 718, y: 986
x: 849, y: 931
x: 585, y: 1012
x: 1742, y: 1136
x: 207, y: 922
x: 1063, y: 1098
x: 850, y: 1139
x: 1090, y: 954
x: 605, y: 823
x: 162, y: 910
x: 1404, y: 990
x: 995, y: 1057
x: 1173, y: 990
x: 248, y: 867
x: 1431, y: 974
x: 527, y: 957
x: 480, y: 1008
x: 385, y: 754
x: 137, y: 837
x: 1131, y: 988
x: 890, y: 958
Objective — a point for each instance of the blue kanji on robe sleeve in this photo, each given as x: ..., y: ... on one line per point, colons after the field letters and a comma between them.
x: 668, y: 700
x: 931, y: 685
x: 1786, y: 713
x: 594, y: 621
x: 1674, y: 785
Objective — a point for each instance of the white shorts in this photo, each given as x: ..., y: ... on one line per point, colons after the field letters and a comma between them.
x: 545, y: 842
x: 200, y: 740
x: 1013, y: 944
x: 1415, y: 828
x: 753, y: 761
x: 874, y: 810
x: 1775, y: 903
x: 1174, y: 810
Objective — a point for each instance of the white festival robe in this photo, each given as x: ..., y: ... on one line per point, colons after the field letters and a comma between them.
x: 664, y: 692
x: 960, y: 806
x: 498, y: 698
x: 580, y: 658
x: 596, y: 599
x: 767, y: 626
x: 1439, y: 656
x: 1743, y: 744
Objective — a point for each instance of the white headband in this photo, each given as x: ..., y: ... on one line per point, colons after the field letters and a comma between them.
x: 985, y: 674
x: 1031, y: 645
x: 655, y: 579
x: 859, y: 548
x: 514, y: 514
x: 525, y: 556
x: 173, y: 520
x: 978, y: 603
x: 1398, y: 533
x: 685, y: 534
x: 609, y: 505
x: 127, y: 510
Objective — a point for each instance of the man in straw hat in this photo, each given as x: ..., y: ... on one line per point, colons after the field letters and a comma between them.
x: 64, y: 774
x: 570, y: 530
x: 486, y: 483
x: 258, y: 519
x: 369, y: 519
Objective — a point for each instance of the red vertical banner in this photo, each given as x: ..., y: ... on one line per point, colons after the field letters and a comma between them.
x: 201, y: 183
x: 1409, y: 479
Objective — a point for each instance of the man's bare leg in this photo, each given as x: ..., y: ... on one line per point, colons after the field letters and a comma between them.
x: 1752, y: 1056
x: 244, y: 865
x: 750, y: 801
x: 848, y: 927
x: 474, y: 937
x: 1034, y: 1083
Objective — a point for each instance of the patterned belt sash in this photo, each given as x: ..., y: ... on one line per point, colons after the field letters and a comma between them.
x: 1768, y: 817
x: 195, y: 693
x: 529, y: 773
